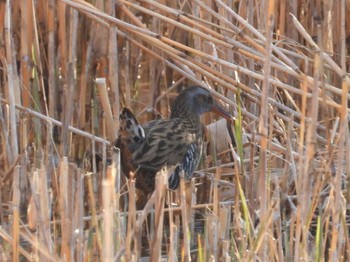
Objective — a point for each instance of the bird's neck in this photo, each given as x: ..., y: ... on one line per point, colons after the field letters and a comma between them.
x: 190, y: 119
x: 184, y: 109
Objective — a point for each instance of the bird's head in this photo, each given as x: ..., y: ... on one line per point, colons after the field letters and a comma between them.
x: 197, y: 100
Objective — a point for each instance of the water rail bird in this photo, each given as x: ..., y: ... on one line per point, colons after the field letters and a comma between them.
x: 176, y: 142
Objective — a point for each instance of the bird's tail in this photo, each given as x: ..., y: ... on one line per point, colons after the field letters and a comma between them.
x: 131, y: 134
x: 130, y: 126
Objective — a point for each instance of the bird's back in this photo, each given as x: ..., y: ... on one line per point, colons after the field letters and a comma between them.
x: 166, y: 143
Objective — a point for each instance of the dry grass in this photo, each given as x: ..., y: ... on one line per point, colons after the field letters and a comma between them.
x: 277, y: 190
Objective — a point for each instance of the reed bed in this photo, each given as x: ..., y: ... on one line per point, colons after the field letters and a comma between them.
x: 272, y: 186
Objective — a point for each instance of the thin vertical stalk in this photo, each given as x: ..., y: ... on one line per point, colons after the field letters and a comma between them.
x: 113, y: 64
x: 110, y: 126
x: 66, y: 252
x: 172, y: 254
x: 12, y: 88
x: 62, y: 39
x: 264, y: 120
x: 26, y: 28
x: 38, y: 76
x: 45, y: 210
x: 78, y: 222
x: 131, y: 217
x: 161, y: 182
x: 71, y: 66
x: 15, y: 220
x: 5, y: 141
x: 263, y: 123
x: 107, y: 195
x: 94, y: 216
x: 186, y: 240
x: 216, y: 180
x: 51, y: 58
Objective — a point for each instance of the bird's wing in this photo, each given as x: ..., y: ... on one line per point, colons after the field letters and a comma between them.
x: 166, y: 142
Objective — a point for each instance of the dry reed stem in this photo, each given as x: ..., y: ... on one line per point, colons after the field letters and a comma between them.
x: 155, y: 48
x: 78, y: 223
x: 184, y: 215
x: 94, y: 215
x: 140, y: 220
x: 225, y: 257
x: 107, y: 190
x: 38, y: 60
x: 111, y: 128
x: 184, y: 47
x: 5, y: 236
x: 12, y: 87
x: 216, y: 196
x: 194, y: 51
x: 66, y: 228
x: 58, y: 123
x: 131, y: 218
x: 212, y: 237
x: 216, y: 79
x: 161, y: 183
x: 45, y: 210
x: 15, y: 220
x: 69, y: 78
x: 308, y: 38
x: 26, y: 37
x: 173, y: 236
x: 41, y: 241
x: 51, y: 58
x: 263, y: 181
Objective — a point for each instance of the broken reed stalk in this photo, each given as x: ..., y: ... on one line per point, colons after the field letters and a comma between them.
x: 185, y: 220
x: 12, y: 91
x: 161, y: 185
x: 65, y: 204
x: 139, y: 222
x: 45, y: 210
x: 110, y: 126
x: 26, y: 38
x: 94, y: 215
x: 130, y: 237
x: 38, y: 214
x: 224, y: 229
x: 52, y: 92
x: 108, y: 243
x: 173, y: 236
x: 15, y: 219
x: 78, y: 222
x: 216, y: 190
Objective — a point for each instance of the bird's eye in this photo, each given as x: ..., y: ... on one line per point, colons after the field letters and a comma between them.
x: 209, y: 99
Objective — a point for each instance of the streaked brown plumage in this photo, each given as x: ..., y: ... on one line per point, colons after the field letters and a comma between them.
x: 173, y: 142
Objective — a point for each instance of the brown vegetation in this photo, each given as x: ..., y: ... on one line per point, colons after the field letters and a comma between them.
x: 274, y: 186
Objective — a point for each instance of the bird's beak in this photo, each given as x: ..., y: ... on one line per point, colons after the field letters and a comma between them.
x: 222, y: 112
